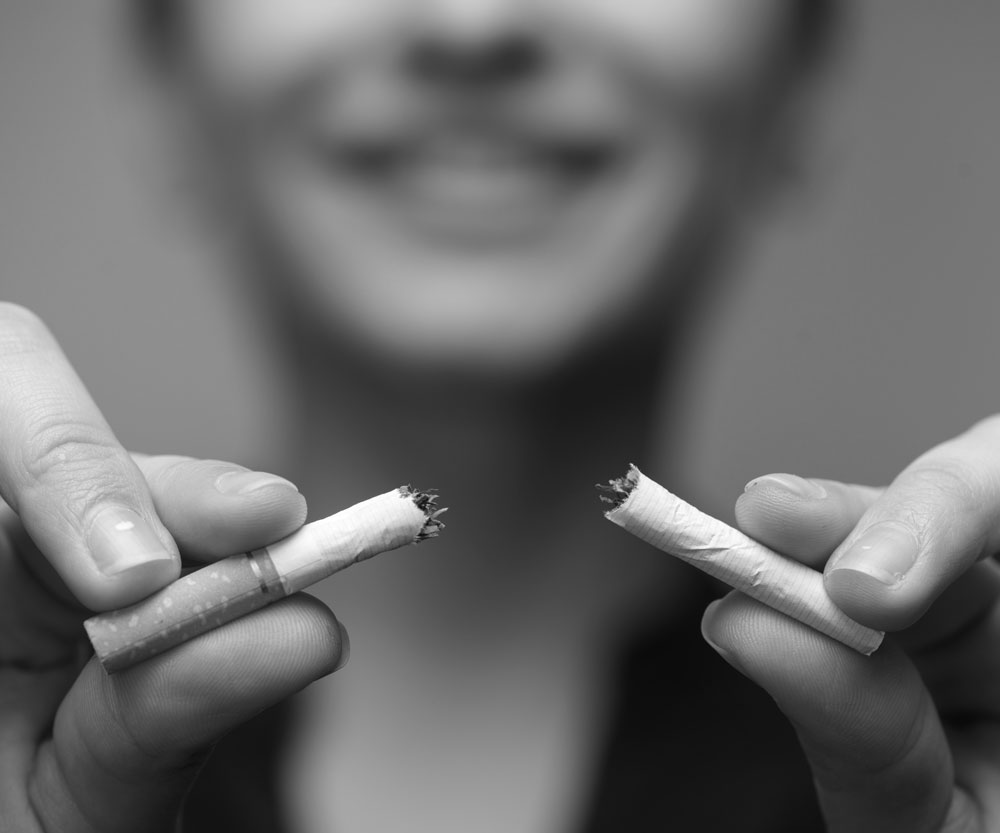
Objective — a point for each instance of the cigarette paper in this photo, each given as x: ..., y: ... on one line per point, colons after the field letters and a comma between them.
x: 235, y: 586
x: 650, y: 512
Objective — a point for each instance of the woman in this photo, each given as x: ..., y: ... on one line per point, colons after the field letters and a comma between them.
x: 475, y: 231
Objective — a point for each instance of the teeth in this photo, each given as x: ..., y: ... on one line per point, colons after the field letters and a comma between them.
x: 474, y: 155
x: 477, y: 183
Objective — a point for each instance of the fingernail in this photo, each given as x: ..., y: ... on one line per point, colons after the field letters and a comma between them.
x: 345, y: 647
x: 791, y: 483
x: 120, y: 539
x: 722, y: 652
x: 886, y: 552
x: 239, y: 482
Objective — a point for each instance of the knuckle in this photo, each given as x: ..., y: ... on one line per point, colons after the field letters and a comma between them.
x: 954, y: 479
x: 72, y: 454
x: 988, y: 425
x: 21, y: 330
x: 953, y: 500
x: 16, y: 314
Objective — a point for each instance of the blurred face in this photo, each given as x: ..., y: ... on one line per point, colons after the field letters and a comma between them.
x: 492, y: 184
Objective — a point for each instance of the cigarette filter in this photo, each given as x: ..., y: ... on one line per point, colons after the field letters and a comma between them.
x: 235, y: 586
x: 662, y: 519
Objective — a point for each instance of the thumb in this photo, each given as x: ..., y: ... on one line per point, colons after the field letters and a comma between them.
x: 126, y: 748
x: 868, y: 726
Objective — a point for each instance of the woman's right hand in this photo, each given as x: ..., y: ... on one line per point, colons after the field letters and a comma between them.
x: 88, y: 527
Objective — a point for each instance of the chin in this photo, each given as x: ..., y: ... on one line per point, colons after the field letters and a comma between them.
x: 495, y: 328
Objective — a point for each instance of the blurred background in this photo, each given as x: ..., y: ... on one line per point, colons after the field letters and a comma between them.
x: 858, y: 331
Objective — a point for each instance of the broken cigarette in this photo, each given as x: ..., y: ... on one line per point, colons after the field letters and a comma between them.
x: 650, y: 512
x: 227, y: 589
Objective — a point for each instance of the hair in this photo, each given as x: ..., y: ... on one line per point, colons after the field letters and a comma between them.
x: 812, y: 31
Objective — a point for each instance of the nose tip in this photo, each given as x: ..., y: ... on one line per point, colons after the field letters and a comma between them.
x: 497, y: 60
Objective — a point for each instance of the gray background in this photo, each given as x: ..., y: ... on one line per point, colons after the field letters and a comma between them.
x: 860, y: 330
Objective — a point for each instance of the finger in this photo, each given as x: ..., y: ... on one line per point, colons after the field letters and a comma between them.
x: 39, y: 628
x: 960, y: 608
x: 938, y: 518
x: 954, y: 646
x: 215, y: 509
x: 879, y: 755
x: 803, y: 519
x: 125, y: 748
x: 77, y: 492
x: 808, y: 519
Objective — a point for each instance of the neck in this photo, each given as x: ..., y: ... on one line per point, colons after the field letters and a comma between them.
x: 517, y: 467
x: 495, y: 447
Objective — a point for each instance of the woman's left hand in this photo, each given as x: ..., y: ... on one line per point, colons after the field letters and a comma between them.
x: 907, y: 740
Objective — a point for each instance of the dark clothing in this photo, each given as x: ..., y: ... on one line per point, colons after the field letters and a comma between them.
x: 692, y: 746
x: 695, y: 746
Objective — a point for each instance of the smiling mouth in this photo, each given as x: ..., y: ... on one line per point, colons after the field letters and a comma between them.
x: 474, y: 186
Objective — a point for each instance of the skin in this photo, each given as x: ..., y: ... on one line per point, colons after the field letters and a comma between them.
x: 513, y: 219
x: 458, y: 314
x: 905, y: 740
x: 85, y: 752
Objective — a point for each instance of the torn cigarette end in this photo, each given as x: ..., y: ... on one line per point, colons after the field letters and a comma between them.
x: 426, y: 502
x: 658, y: 517
x: 233, y: 587
x: 616, y: 492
